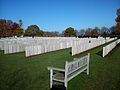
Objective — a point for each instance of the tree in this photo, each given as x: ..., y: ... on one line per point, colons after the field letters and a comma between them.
x: 81, y: 33
x: 94, y: 33
x: 112, y: 31
x: 20, y: 23
x: 77, y: 33
x: 33, y: 30
x: 118, y: 22
x: 105, y: 31
x: 19, y: 32
x: 51, y: 34
x: 88, y: 32
x: 3, y: 27
x: 118, y: 12
x: 8, y: 28
x: 69, y: 32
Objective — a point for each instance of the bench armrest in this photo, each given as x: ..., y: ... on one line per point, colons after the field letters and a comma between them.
x: 57, y: 69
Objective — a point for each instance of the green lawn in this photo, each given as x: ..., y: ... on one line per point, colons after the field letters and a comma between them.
x: 20, y: 73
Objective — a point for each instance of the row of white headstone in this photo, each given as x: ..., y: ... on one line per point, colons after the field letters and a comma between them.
x: 47, y: 44
x: 5, y: 43
x: 80, y: 46
x: 53, y: 46
x: 39, y: 45
x: 39, y: 49
x: 110, y: 47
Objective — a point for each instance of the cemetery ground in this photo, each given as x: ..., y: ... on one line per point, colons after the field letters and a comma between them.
x: 20, y: 73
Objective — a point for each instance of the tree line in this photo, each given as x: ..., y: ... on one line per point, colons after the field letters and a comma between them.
x: 8, y: 28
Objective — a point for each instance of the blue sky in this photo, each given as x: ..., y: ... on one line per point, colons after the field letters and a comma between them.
x: 57, y: 15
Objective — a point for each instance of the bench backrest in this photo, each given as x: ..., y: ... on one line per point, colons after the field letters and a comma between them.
x: 75, y: 67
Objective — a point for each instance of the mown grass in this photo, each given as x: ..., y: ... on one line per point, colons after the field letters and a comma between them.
x: 20, y: 73
x: 104, y: 73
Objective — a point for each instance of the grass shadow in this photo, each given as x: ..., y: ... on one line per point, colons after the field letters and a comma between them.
x: 58, y: 87
x: 113, y: 50
x: 100, y: 53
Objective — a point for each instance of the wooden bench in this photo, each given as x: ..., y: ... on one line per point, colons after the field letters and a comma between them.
x: 62, y: 76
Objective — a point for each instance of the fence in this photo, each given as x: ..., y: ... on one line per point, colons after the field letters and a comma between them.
x: 72, y: 69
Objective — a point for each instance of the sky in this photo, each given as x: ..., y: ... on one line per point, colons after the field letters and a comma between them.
x: 57, y: 15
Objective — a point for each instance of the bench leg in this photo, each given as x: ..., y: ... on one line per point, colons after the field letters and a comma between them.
x: 87, y: 70
x: 51, y: 78
x: 88, y: 64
